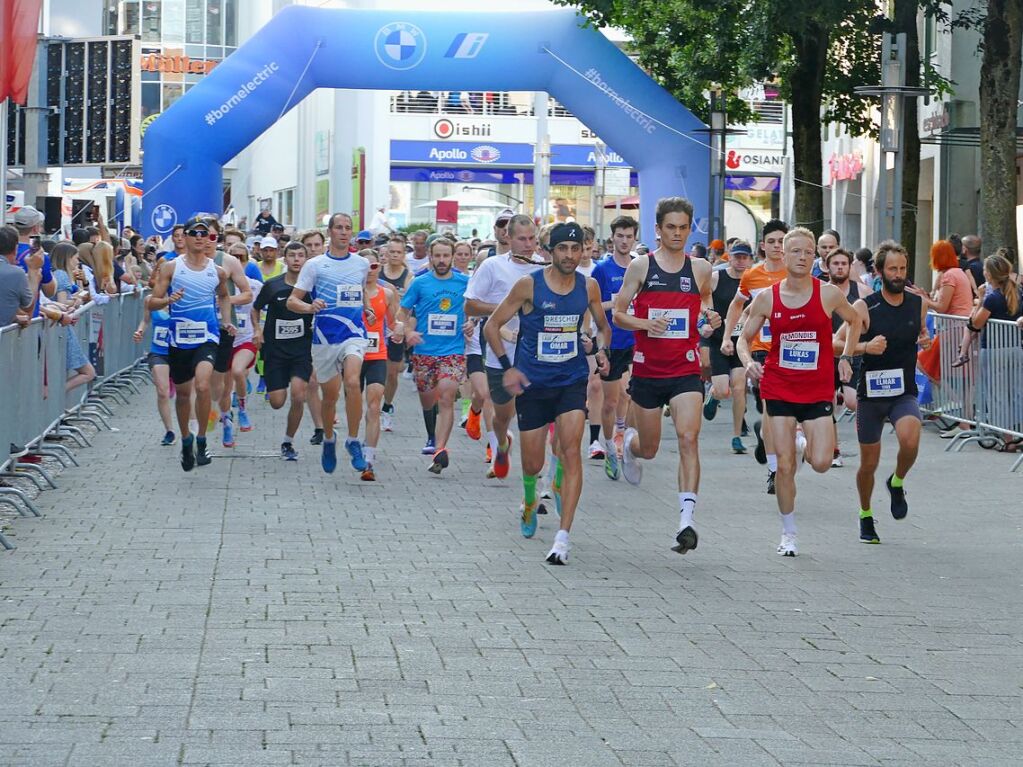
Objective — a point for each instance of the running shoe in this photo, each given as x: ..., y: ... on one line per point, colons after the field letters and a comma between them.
x: 244, y: 424
x: 463, y: 421
x: 368, y: 475
x: 261, y: 386
x: 168, y: 439
x: 770, y: 482
x: 899, y: 506
x: 328, y: 459
x: 710, y: 408
x: 227, y: 421
x: 430, y: 447
x: 836, y: 461
x: 789, y: 546
x: 288, y: 452
x: 758, y: 400
x: 317, y: 438
x: 558, y: 555
x: 490, y: 454
x: 440, y: 461
x: 619, y: 440
x: 596, y: 450
x: 472, y: 425
x: 465, y: 414
x: 612, y: 468
x: 407, y: 374
x: 685, y: 540
x: 386, y: 421
x: 868, y: 534
x: 631, y: 467
x: 760, y: 451
x: 211, y: 420
x: 187, y: 453
x: 737, y: 447
x: 528, y: 522
x: 354, y: 448
x: 202, y: 454
x: 502, y: 462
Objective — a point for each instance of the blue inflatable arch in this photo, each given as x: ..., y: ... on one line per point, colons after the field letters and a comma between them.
x: 304, y: 48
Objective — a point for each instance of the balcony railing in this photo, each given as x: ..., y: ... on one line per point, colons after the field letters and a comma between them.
x: 476, y: 103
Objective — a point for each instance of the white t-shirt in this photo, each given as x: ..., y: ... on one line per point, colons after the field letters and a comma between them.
x: 492, y: 282
x: 416, y: 265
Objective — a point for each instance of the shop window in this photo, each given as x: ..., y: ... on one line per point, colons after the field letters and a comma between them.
x: 171, y: 93
x: 150, y: 99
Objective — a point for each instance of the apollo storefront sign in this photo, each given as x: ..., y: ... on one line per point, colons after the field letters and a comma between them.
x: 462, y: 153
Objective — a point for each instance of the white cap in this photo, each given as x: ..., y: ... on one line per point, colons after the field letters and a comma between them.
x: 268, y: 242
x: 506, y: 213
x: 27, y: 217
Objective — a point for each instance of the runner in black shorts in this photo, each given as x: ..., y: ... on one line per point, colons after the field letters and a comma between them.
x: 287, y: 338
x: 894, y: 322
x: 395, y: 273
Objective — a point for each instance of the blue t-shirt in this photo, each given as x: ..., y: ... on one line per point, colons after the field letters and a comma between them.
x: 252, y: 271
x: 23, y: 251
x: 996, y: 303
x: 338, y: 282
x: 610, y: 276
x: 440, y: 313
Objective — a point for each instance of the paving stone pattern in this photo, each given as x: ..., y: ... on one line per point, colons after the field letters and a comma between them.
x: 257, y: 612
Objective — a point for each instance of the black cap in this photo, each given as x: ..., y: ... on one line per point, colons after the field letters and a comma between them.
x: 566, y: 233
x: 198, y: 220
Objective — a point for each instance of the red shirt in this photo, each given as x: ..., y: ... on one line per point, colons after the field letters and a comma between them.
x: 676, y: 297
x: 800, y: 366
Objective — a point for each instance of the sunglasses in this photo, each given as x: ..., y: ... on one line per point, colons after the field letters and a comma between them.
x: 374, y: 266
x: 202, y: 233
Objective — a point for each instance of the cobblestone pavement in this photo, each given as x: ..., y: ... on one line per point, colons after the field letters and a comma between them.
x: 257, y: 612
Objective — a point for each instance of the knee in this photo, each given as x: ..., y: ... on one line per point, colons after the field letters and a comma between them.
x: 787, y: 465
x: 687, y: 442
x: 531, y: 466
x: 276, y: 401
x: 202, y: 388
x: 820, y: 465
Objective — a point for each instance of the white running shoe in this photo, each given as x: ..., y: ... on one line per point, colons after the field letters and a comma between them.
x: 632, y: 470
x: 386, y: 421
x: 596, y: 449
x: 789, y: 546
x: 558, y: 554
x: 837, y: 462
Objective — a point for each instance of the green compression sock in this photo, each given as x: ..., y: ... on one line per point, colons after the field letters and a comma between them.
x: 529, y: 488
x: 559, y: 475
x: 865, y: 513
x: 896, y: 480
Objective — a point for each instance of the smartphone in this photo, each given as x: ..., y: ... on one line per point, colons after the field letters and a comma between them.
x: 34, y: 243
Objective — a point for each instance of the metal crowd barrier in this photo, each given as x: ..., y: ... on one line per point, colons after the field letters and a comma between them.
x: 986, y: 393
x: 38, y: 416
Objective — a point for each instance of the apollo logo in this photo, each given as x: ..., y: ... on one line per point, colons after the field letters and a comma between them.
x: 445, y: 155
x: 485, y: 153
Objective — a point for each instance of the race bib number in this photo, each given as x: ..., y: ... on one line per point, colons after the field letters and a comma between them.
x: 285, y: 330
x: 677, y: 319
x: 161, y: 336
x: 190, y: 332
x: 243, y: 323
x: 799, y: 355
x: 556, y: 347
x: 442, y: 325
x: 373, y: 344
x: 765, y: 333
x: 885, y: 383
x: 349, y: 296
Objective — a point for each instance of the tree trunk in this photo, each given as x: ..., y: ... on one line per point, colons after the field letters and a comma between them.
x: 806, y: 82
x: 999, y: 91
x: 905, y: 21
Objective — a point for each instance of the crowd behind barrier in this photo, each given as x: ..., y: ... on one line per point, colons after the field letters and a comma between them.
x: 38, y: 415
x: 984, y: 393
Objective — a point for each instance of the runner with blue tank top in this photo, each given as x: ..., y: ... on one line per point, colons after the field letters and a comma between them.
x: 337, y: 283
x: 550, y: 372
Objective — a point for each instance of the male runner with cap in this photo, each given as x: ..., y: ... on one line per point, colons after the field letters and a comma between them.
x: 502, y: 244
x: 433, y: 314
x: 339, y: 334
x: 550, y: 372
x: 396, y: 274
x: 384, y: 300
x: 287, y: 342
x: 672, y: 308
x: 797, y: 378
x: 895, y: 323
x: 194, y: 288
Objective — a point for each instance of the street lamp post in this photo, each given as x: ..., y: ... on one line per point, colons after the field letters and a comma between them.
x: 516, y: 200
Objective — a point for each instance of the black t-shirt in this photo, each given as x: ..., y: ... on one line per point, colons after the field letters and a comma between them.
x: 900, y: 325
x: 976, y: 268
x: 722, y: 298
x: 285, y: 333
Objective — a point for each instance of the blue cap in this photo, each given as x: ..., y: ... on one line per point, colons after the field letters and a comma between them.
x: 365, y: 234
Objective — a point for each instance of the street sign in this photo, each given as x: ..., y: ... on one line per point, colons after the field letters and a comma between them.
x: 616, y: 182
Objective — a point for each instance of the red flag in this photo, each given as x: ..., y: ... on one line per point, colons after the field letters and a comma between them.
x: 19, y: 24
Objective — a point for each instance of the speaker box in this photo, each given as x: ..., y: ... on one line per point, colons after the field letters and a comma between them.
x: 51, y: 210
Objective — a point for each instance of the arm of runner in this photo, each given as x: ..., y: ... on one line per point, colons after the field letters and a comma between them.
x: 243, y: 293
x: 158, y: 298
x: 257, y: 329
x: 704, y: 275
x: 514, y: 380
x: 603, y: 329
x: 735, y: 310
x: 224, y: 304
x: 631, y: 284
x: 833, y: 299
x: 262, y: 299
x: 924, y: 339
x: 141, y: 329
x: 303, y: 285
x: 407, y: 318
x: 758, y: 313
x: 367, y: 303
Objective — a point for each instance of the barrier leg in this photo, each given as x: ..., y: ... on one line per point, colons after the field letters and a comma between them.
x: 42, y: 472
x: 6, y: 543
x: 97, y: 402
x: 61, y: 453
x: 75, y: 432
x: 87, y: 418
x: 32, y: 510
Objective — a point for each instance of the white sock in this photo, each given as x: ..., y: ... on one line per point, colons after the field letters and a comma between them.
x: 619, y: 424
x: 492, y: 441
x: 289, y: 438
x: 561, y: 536
x: 687, y: 501
x: 788, y: 523
x: 350, y: 440
x: 772, y: 462
x: 369, y: 453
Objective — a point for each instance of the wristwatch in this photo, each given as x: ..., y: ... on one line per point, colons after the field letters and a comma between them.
x: 848, y: 358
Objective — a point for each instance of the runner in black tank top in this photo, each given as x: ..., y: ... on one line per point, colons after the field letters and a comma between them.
x: 394, y: 255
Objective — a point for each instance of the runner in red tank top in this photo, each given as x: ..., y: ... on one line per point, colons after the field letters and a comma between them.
x: 798, y: 375
x: 671, y: 296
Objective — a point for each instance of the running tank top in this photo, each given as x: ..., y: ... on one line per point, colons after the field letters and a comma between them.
x: 892, y: 373
x: 161, y: 331
x: 398, y: 283
x: 852, y: 295
x: 376, y: 333
x: 800, y: 364
x: 194, y: 320
x: 722, y: 297
x: 675, y: 296
x: 549, y: 351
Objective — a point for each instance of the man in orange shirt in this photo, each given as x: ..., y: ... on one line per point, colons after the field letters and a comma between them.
x: 761, y: 277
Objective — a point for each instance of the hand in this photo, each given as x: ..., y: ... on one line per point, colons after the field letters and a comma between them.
x: 603, y: 363
x: 844, y: 371
x: 231, y: 330
x: 318, y: 305
x: 587, y: 343
x: 656, y: 327
x: 413, y: 338
x: 137, y: 336
x: 1019, y: 323
x: 468, y: 328
x: 514, y: 381
x: 713, y: 318
x: 876, y: 345
x: 727, y: 347
x: 754, y: 371
x: 176, y: 296
x: 78, y: 275
x: 369, y: 315
x: 257, y: 340
x: 68, y: 319
x: 22, y: 319
x: 34, y: 260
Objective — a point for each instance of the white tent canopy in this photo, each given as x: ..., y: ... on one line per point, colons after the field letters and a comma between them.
x: 466, y: 200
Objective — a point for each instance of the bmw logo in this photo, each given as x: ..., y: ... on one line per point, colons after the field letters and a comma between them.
x: 164, y: 218
x: 400, y: 45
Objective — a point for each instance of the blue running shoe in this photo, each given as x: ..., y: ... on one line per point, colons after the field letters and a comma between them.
x: 329, y: 458
x: 288, y: 452
x: 228, y: 423
x: 354, y: 448
x: 737, y: 447
x: 611, y: 466
x: 528, y: 522
x: 710, y: 408
x: 430, y: 447
x: 244, y: 424
x: 168, y: 439
x: 261, y: 387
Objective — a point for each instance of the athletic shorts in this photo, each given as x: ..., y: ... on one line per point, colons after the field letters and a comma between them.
x: 872, y: 413
x: 619, y: 360
x: 429, y: 371
x: 495, y: 382
x: 373, y: 372
x: 720, y: 365
x: 278, y: 371
x: 395, y: 351
x: 535, y: 408
x: 183, y: 362
x: 225, y: 350
x: 329, y: 359
x: 474, y: 364
x: 153, y: 359
x: 654, y: 393
x: 247, y: 346
x: 801, y: 411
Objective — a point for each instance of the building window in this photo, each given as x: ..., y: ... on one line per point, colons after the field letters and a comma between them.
x: 151, y: 27
x: 130, y: 18
x: 214, y: 22
x: 194, y: 18
x: 174, y: 21
x: 284, y: 206
x: 230, y: 22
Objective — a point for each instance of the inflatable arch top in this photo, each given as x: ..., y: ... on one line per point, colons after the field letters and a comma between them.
x: 304, y: 48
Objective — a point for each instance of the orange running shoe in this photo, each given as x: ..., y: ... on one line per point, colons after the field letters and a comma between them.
x: 472, y: 425
x: 502, y: 462
x: 490, y: 454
